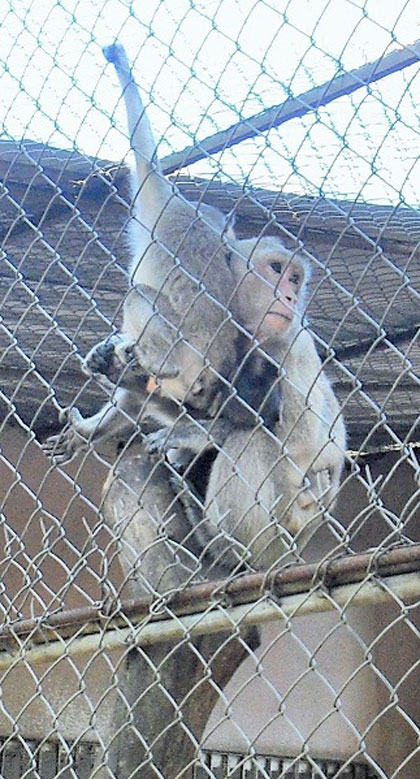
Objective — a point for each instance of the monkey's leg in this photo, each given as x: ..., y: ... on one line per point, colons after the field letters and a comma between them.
x: 181, y: 444
x: 110, y: 422
x: 218, y: 548
x: 148, y: 317
x: 157, y: 550
x: 164, y: 700
x: 163, y: 694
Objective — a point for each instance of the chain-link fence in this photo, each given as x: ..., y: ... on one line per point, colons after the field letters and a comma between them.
x: 211, y: 569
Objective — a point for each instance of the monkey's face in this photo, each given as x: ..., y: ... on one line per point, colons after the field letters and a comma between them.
x: 271, y: 293
x: 279, y: 302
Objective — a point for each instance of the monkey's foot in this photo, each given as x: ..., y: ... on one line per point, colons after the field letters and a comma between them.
x: 112, y: 360
x: 61, y: 448
x: 136, y: 358
x: 177, y: 452
x: 108, y: 358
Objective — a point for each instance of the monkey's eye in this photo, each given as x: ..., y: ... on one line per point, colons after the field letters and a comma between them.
x: 295, y: 279
x: 277, y: 267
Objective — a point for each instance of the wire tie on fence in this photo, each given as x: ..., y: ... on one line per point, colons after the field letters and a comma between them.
x: 272, y: 584
x: 159, y: 606
x: 322, y: 575
x: 109, y: 608
x: 323, y: 579
x: 373, y: 567
x: 220, y: 596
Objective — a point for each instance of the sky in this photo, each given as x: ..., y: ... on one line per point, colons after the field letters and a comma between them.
x: 204, y: 64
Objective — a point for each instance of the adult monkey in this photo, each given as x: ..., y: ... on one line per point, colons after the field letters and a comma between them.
x: 265, y: 487
x: 178, y: 249
x: 177, y: 325
x: 148, y: 729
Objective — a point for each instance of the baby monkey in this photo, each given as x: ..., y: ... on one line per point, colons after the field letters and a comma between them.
x: 177, y: 326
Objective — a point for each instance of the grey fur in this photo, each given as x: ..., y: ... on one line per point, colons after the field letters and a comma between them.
x: 176, y: 323
x: 266, y: 489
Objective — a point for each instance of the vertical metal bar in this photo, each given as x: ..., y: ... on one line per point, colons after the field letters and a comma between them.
x: 11, y: 762
x: 47, y: 761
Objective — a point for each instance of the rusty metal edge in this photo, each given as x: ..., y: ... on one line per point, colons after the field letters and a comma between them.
x: 246, y: 588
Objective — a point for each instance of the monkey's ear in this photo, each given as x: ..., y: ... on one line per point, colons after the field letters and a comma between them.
x: 306, y: 268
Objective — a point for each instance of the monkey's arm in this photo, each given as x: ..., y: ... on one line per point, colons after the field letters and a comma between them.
x: 124, y: 359
x: 194, y: 436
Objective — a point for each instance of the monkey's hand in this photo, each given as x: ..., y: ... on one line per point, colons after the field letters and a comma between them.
x: 61, y: 448
x: 113, y: 360
x: 196, y: 437
x: 116, y: 361
x: 102, y: 360
x: 318, y: 488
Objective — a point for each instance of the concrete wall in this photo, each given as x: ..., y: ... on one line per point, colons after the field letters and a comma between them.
x: 332, y: 683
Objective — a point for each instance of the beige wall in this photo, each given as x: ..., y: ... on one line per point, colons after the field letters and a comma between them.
x: 325, y: 681
x: 320, y: 681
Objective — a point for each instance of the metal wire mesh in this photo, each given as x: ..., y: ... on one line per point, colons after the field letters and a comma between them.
x: 131, y: 645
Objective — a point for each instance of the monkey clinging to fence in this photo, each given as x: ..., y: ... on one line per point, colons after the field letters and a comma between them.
x: 187, y: 278
x: 265, y: 487
x: 176, y: 325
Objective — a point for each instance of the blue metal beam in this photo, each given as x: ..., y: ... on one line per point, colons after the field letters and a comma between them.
x: 293, y: 107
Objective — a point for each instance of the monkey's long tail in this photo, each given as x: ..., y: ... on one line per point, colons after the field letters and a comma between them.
x: 150, y: 184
